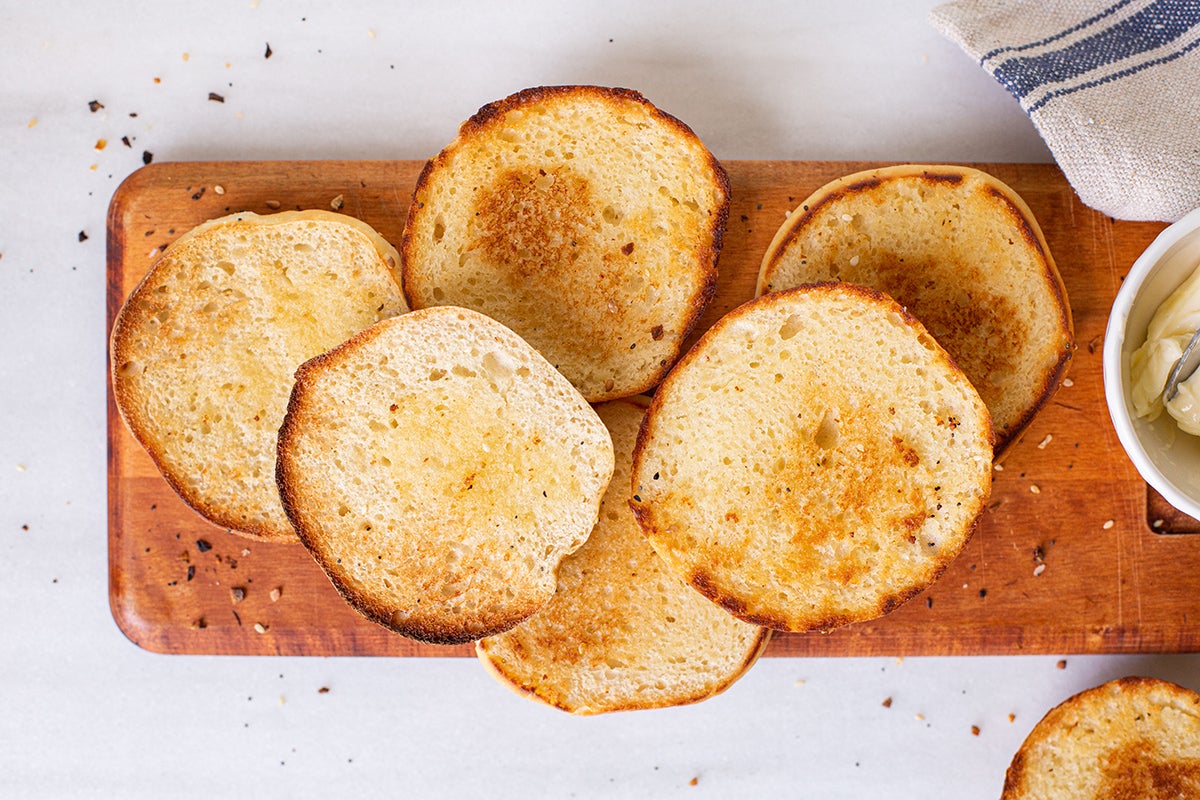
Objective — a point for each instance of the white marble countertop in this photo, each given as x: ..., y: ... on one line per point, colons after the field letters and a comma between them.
x: 83, y: 712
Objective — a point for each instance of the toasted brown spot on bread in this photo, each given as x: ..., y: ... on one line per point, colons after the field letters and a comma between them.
x: 534, y: 223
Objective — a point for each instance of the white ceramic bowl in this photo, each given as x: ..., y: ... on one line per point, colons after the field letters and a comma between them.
x: 1167, y: 459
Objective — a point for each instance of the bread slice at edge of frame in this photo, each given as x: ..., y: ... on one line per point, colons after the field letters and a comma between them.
x: 1133, y: 760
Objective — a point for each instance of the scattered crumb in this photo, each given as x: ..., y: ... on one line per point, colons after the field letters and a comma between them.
x: 282, y: 700
x: 269, y: 51
x: 186, y: 56
x: 237, y: 594
x: 95, y: 105
x: 245, y: 551
x: 147, y: 156
x: 998, y: 467
x: 1062, y: 664
x: 1035, y: 489
x: 919, y: 717
x: 371, y: 32
x: 887, y: 702
x: 158, y: 80
x: 899, y: 660
x: 100, y: 144
x: 83, y: 237
x: 20, y: 467
x: 323, y: 690
x: 337, y: 203
x: 32, y: 122
x: 216, y: 98
x: 219, y: 189
x: 1158, y: 523
x: 1012, y: 718
x: 1067, y: 382
x: 93, y: 167
x: 694, y: 781
x: 1038, y: 570
x: 276, y: 593
x: 1042, y: 444
x: 974, y: 730
x: 260, y: 628
x: 1108, y: 523
x: 203, y: 545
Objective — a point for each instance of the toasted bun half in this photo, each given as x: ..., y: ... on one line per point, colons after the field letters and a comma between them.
x: 815, y: 460
x: 583, y: 218
x: 1128, y: 738
x: 439, y: 469
x: 960, y: 250
x: 622, y: 632
x: 203, y: 350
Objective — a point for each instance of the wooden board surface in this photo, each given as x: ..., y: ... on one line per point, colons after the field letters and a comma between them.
x: 1074, y: 554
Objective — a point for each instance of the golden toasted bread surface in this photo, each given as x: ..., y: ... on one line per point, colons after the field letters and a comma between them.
x: 815, y: 460
x: 204, y: 349
x: 961, y: 251
x: 583, y: 218
x: 622, y: 632
x: 439, y: 469
x: 1129, y: 739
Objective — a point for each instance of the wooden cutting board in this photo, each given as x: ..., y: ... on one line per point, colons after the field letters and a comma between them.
x: 1074, y: 555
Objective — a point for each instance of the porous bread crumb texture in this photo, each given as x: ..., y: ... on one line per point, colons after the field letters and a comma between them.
x: 622, y: 632
x: 583, y: 218
x: 204, y: 349
x: 438, y: 469
x: 815, y: 460
x: 1128, y: 739
x: 960, y: 251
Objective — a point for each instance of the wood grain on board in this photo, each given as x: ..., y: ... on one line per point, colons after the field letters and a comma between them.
x: 1074, y: 555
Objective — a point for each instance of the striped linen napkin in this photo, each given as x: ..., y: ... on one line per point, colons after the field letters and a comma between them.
x: 1113, y: 88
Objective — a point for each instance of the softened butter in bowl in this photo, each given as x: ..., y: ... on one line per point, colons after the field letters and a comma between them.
x: 1167, y: 458
x: 1170, y: 330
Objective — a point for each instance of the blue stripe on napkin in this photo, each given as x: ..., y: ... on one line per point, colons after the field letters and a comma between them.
x: 1092, y: 20
x: 1114, y: 76
x: 1159, y: 24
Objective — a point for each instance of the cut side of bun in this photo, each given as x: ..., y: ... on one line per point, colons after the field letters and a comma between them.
x: 583, y: 218
x: 439, y: 470
x: 963, y: 253
x: 622, y: 632
x: 1128, y: 738
x: 204, y: 349
x: 815, y: 460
